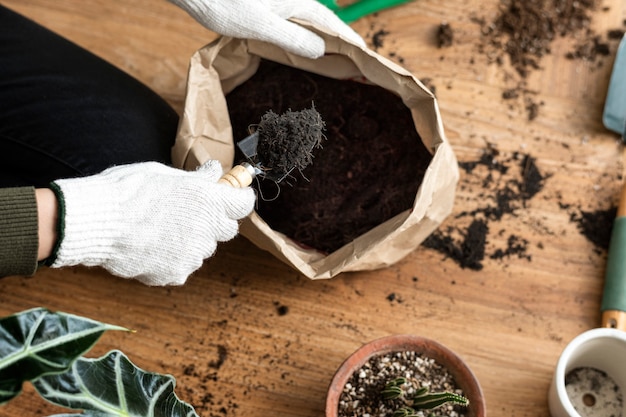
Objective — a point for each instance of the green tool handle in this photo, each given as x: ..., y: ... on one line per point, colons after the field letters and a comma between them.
x: 331, y: 4
x: 614, y: 295
x: 362, y: 8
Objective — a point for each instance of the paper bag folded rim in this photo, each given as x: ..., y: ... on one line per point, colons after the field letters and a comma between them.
x: 205, y: 133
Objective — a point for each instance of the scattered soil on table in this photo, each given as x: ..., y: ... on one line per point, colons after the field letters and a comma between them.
x: 377, y: 42
x: 362, y: 394
x: 590, y: 49
x: 367, y: 171
x: 509, y: 184
x: 198, y: 393
x: 521, y: 34
x: 524, y: 30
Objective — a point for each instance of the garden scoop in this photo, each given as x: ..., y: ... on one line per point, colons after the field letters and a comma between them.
x: 590, y: 378
x: 280, y: 144
x: 614, y: 116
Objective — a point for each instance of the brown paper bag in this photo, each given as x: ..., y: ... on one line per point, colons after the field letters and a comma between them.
x: 205, y: 133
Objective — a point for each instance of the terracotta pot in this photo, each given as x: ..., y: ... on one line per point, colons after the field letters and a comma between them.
x: 462, y: 374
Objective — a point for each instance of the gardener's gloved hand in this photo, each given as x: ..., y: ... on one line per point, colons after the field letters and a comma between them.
x: 147, y: 221
x: 266, y: 20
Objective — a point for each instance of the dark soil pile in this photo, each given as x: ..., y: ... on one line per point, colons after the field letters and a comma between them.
x: 468, y: 250
x: 509, y: 184
x: 596, y: 226
x: 524, y: 29
x: 368, y: 169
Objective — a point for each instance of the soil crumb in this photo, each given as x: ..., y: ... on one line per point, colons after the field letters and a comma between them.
x: 428, y: 83
x: 469, y: 250
x: 596, y: 226
x: 445, y: 35
x: 222, y: 354
x: 378, y: 38
x: 615, y: 34
x: 281, y: 309
x: 378, y: 42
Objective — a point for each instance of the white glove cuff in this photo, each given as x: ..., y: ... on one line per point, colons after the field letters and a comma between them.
x: 88, y: 226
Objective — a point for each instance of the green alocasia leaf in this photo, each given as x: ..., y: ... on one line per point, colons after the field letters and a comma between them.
x: 113, y: 386
x: 38, y: 342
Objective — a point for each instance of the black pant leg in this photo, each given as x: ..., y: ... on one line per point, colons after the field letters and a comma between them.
x: 65, y: 112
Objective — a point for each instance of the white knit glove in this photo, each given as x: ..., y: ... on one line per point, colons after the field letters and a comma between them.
x: 148, y: 221
x: 266, y: 20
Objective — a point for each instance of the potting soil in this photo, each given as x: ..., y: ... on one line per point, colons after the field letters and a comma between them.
x: 367, y: 170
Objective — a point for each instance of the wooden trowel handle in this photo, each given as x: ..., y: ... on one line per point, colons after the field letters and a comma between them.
x: 239, y: 176
x: 614, y: 294
x: 614, y: 319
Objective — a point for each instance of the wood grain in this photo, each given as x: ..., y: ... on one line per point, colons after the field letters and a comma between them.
x: 284, y: 334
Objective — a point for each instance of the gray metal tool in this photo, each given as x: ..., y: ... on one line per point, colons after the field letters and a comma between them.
x: 280, y: 144
x: 614, y: 116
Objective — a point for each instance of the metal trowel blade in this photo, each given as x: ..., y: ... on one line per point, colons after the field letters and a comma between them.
x: 248, y: 146
x: 614, y: 116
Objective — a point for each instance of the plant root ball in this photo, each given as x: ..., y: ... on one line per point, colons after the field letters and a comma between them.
x: 286, y: 141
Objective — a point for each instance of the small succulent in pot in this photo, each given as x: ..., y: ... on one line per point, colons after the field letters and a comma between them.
x: 404, y: 376
x: 412, y: 397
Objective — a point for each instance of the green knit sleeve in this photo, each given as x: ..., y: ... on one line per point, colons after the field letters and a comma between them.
x: 19, y: 239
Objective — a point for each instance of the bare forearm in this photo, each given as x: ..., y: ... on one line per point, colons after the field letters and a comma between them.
x: 47, y: 212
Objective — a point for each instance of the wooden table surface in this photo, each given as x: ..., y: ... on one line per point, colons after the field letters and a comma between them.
x: 283, y: 334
